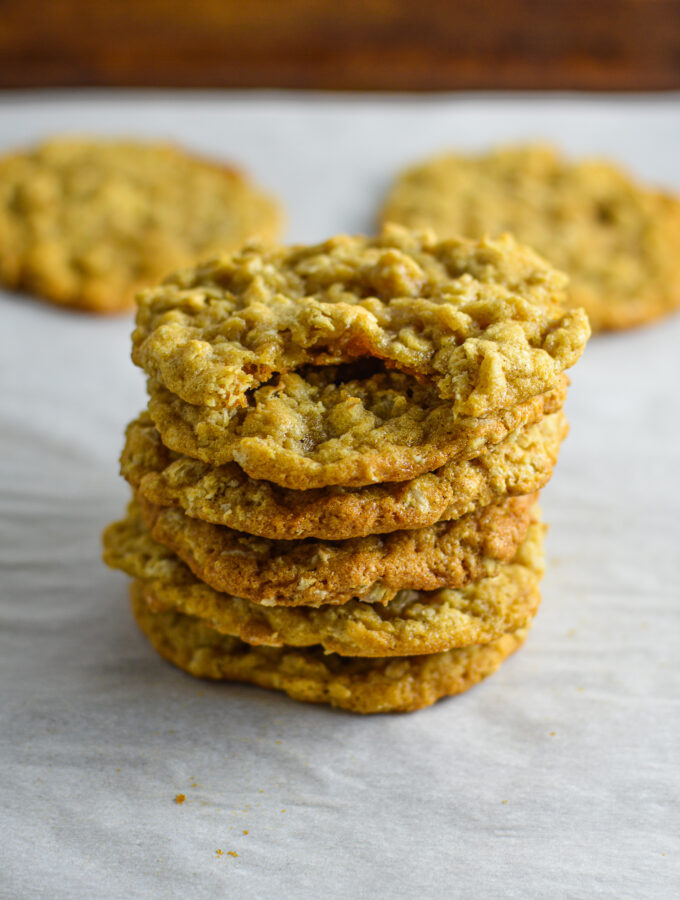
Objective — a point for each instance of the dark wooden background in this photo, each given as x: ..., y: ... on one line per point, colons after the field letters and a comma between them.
x: 343, y: 44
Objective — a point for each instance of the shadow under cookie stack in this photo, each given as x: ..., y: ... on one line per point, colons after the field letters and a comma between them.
x: 335, y: 481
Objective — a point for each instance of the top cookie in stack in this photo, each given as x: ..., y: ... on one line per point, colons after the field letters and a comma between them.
x: 356, y: 361
x: 335, y: 479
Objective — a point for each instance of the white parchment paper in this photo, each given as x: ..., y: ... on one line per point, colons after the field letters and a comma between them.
x: 559, y: 777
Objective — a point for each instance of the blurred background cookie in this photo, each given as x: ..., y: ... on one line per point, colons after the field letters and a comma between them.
x: 85, y: 222
x: 615, y: 238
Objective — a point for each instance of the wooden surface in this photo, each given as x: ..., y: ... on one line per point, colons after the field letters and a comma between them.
x: 366, y: 45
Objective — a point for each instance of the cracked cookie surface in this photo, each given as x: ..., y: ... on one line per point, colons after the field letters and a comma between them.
x: 616, y: 239
x: 373, y: 569
x: 85, y: 222
x: 414, y: 622
x: 225, y: 495
x: 395, y: 684
x: 326, y: 426
x: 483, y: 323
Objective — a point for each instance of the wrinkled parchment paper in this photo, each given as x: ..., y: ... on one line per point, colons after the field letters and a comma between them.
x: 558, y: 777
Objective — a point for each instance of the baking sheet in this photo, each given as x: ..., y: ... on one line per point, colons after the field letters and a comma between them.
x: 558, y: 777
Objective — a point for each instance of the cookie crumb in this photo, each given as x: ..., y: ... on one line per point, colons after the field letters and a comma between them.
x: 553, y: 733
x: 180, y: 798
x: 219, y: 852
x: 232, y: 853
x: 245, y: 831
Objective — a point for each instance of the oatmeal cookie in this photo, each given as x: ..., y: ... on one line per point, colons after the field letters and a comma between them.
x: 225, y: 495
x: 616, y: 239
x: 326, y: 426
x: 414, y: 622
x: 85, y: 222
x: 483, y: 323
x: 373, y: 568
x: 400, y: 684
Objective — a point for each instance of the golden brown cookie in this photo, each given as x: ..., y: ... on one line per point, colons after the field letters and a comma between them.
x: 85, y: 222
x: 400, y: 684
x: 333, y: 427
x: 316, y: 572
x: 483, y: 323
x: 413, y: 623
x: 225, y: 495
x: 616, y: 239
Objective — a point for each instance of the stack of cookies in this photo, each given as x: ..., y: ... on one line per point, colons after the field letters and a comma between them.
x: 335, y: 481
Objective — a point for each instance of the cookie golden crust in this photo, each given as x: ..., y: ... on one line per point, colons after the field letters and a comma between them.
x: 225, y: 495
x: 320, y: 429
x: 616, y: 239
x: 86, y: 222
x: 373, y: 569
x: 413, y: 623
x: 483, y: 323
x: 401, y: 684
